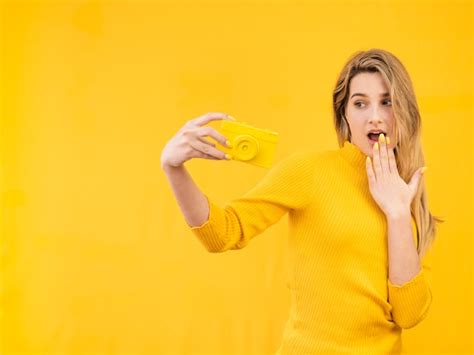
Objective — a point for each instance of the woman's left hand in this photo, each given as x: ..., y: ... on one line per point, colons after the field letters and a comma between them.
x: 389, y: 190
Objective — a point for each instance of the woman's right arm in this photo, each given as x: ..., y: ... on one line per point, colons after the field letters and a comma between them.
x: 288, y: 185
x: 191, y: 200
x: 189, y: 143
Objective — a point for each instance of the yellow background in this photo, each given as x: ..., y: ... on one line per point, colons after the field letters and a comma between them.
x: 96, y: 256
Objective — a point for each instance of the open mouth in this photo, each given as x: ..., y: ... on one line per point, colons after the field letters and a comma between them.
x: 374, y: 137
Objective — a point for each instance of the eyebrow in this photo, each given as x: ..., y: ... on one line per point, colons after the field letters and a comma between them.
x: 364, y: 95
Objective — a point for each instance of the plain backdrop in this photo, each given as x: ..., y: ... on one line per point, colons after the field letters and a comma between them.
x: 96, y: 256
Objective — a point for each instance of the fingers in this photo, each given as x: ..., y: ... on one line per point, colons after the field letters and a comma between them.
x: 384, y: 161
x: 392, y: 161
x: 370, y: 170
x: 383, y: 154
x: 194, y: 134
x: 201, y: 132
x: 376, y: 161
x: 198, y: 154
x: 207, y: 149
x: 205, y: 141
x: 211, y: 132
x: 212, y: 116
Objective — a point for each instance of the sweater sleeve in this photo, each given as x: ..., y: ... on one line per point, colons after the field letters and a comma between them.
x: 412, y: 300
x: 287, y: 185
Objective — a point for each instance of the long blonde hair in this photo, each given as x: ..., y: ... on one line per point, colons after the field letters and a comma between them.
x: 407, y: 128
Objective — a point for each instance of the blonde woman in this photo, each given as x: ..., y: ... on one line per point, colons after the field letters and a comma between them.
x: 359, y: 224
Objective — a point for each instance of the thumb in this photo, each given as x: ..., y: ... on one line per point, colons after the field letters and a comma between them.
x: 415, y: 180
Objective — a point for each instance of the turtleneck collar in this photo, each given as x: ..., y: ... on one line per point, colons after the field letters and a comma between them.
x: 353, y: 155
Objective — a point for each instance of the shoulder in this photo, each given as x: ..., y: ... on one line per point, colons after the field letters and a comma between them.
x: 311, y: 155
x: 301, y: 164
x: 309, y: 158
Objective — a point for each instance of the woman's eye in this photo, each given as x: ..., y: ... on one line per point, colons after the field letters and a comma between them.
x: 360, y: 104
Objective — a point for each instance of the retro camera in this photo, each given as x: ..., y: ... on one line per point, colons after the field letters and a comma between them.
x: 250, y: 144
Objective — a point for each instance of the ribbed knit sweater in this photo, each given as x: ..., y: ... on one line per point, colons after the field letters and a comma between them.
x: 341, y: 297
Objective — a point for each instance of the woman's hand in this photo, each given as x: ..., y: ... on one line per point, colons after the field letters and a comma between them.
x: 189, y: 141
x: 388, y: 189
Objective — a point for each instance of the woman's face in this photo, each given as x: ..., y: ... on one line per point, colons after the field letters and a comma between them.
x: 369, y: 109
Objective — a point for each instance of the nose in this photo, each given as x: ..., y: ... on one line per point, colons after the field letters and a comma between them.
x: 375, y: 117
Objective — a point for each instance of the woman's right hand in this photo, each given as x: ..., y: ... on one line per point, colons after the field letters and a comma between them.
x: 189, y: 141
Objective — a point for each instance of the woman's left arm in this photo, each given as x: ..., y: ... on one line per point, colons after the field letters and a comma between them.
x: 403, y: 260
x: 411, y: 297
x: 409, y: 290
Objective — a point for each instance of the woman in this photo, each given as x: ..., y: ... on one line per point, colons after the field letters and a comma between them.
x: 359, y: 222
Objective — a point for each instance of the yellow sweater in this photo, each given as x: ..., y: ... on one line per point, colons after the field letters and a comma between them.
x: 341, y: 298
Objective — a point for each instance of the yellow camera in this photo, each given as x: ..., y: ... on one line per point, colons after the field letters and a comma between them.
x: 250, y: 144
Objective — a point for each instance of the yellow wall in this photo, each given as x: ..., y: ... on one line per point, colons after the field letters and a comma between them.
x: 96, y: 256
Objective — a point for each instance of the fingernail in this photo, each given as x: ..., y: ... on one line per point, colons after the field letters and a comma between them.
x: 423, y: 169
x: 228, y: 157
x: 376, y: 146
x: 368, y: 160
x: 388, y: 140
x: 231, y: 117
x: 382, y: 138
x: 227, y: 143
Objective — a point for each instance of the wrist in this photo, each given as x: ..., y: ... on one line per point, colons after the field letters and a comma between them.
x: 167, y: 168
x: 398, y: 213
